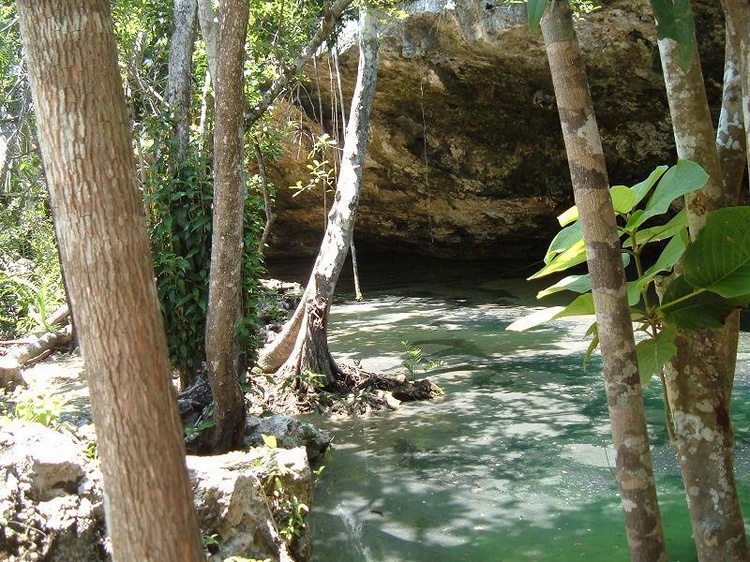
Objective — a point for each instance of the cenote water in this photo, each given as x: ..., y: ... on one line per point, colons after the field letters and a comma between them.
x: 515, y: 462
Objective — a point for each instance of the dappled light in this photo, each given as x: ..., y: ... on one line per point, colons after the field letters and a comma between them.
x: 514, y: 463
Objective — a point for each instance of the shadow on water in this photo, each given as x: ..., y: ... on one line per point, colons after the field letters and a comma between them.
x: 513, y: 464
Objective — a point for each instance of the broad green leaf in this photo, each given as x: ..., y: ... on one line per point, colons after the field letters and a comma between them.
x: 654, y: 353
x: 593, y: 344
x: 719, y: 260
x: 568, y: 216
x: 634, y: 293
x: 534, y: 319
x: 682, y: 178
x: 563, y: 240
x: 692, y: 309
x: 581, y: 306
x: 644, y: 188
x: 669, y: 256
x: 674, y: 20
x: 575, y: 283
x: 660, y: 232
x: 535, y: 11
x: 574, y: 255
x: 623, y: 199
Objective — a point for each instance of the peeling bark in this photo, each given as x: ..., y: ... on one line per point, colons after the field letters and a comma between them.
x: 591, y: 190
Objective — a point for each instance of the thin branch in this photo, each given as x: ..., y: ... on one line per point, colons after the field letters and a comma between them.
x: 331, y: 17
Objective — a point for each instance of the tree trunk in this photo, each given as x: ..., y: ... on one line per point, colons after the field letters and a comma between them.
x: 209, y: 25
x: 699, y: 379
x: 225, y: 283
x: 90, y: 169
x: 180, y: 66
x: 591, y: 190
x: 730, y: 134
x: 340, y: 228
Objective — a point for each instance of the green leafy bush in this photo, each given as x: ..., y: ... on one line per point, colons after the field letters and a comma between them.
x: 715, y: 268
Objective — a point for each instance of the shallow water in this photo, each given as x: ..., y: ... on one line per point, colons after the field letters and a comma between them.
x: 514, y: 463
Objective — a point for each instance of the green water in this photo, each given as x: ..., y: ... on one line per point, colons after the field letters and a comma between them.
x: 514, y: 463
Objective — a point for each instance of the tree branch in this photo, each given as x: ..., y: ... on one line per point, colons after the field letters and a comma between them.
x: 331, y: 16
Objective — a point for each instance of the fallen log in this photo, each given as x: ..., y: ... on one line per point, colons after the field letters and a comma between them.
x: 27, y: 352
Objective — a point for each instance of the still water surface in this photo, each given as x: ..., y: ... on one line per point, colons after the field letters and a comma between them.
x: 515, y: 462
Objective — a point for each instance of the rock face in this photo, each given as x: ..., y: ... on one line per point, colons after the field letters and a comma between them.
x: 466, y: 157
x: 249, y: 503
x: 50, y: 498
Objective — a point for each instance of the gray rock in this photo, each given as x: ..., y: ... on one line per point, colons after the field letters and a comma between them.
x: 289, y: 433
x: 50, y: 498
x: 51, y: 503
x: 247, y: 499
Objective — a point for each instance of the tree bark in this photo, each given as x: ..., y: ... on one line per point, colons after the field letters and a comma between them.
x: 591, y: 190
x: 90, y: 169
x: 225, y: 283
x: 180, y: 66
x: 209, y: 25
x: 731, y: 142
x: 340, y: 228
x: 699, y: 379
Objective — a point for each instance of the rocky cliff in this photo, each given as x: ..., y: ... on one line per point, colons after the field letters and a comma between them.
x: 465, y: 157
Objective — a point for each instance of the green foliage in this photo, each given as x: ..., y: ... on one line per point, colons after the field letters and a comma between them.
x: 715, y: 276
x: 536, y: 8
x: 178, y: 203
x: 322, y: 173
x: 415, y: 360
x: 30, y: 279
x: 292, y: 511
x: 36, y: 405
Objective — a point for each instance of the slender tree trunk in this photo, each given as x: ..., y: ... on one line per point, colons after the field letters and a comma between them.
x: 311, y: 350
x: 699, y: 379
x: 209, y: 24
x: 90, y: 169
x: 179, y: 88
x: 731, y: 142
x: 591, y: 189
x: 225, y: 284
x: 267, y: 199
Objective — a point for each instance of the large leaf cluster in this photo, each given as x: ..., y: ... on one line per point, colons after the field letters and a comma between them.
x: 714, y: 276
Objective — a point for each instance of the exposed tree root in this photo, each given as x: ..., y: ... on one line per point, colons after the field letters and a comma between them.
x: 354, y: 392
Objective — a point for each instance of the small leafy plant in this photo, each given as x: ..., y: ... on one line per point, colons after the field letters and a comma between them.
x: 713, y: 280
x: 415, y: 360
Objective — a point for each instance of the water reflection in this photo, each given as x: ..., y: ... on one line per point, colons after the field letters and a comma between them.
x: 513, y: 464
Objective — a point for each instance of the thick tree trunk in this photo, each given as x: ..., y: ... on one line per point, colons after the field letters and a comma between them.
x: 340, y: 228
x: 225, y: 284
x: 591, y: 189
x: 699, y: 379
x: 90, y: 169
x: 179, y: 86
